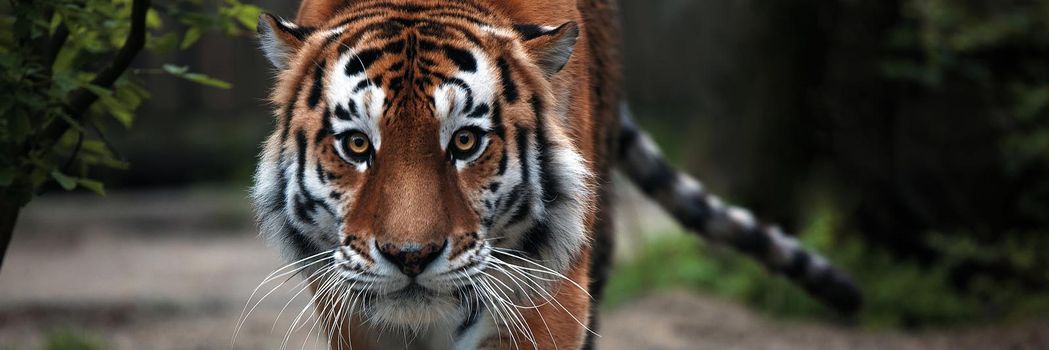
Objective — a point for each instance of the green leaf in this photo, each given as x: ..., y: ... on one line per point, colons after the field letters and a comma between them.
x: 164, y: 42
x: 68, y: 183
x: 206, y: 80
x: 120, y: 110
x: 175, y: 70
x: 93, y: 186
x: 182, y: 72
x: 191, y: 37
x: 101, y: 92
x: 247, y: 15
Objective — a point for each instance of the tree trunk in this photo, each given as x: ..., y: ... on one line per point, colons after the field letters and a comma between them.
x: 8, y: 216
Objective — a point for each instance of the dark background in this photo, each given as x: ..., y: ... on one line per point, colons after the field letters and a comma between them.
x: 907, y: 139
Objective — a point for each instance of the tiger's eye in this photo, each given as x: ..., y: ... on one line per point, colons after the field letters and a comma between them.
x: 358, y: 143
x: 464, y: 140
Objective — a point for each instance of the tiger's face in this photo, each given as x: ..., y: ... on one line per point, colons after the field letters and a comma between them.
x: 420, y: 161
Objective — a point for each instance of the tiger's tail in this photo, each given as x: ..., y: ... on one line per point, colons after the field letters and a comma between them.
x: 704, y: 213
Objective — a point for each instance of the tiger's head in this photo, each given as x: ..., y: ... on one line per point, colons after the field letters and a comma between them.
x: 421, y: 156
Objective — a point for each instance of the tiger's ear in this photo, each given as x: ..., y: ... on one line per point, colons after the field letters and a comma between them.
x: 280, y: 39
x: 314, y: 13
x: 549, y: 47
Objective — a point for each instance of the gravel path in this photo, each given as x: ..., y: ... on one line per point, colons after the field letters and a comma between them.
x: 172, y: 270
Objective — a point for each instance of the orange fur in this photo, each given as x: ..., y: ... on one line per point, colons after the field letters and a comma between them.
x: 586, y: 89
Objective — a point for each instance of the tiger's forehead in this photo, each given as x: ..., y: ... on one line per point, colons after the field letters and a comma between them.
x: 386, y: 72
x: 439, y: 20
x: 410, y: 53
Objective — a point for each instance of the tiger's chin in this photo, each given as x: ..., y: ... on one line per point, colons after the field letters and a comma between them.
x: 413, y: 307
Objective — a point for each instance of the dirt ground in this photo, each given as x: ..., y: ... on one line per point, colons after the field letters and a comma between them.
x: 173, y: 270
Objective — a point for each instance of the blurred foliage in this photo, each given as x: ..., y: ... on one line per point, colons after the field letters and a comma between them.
x: 51, y: 52
x: 922, y: 129
x: 898, y: 294
x: 71, y: 340
x: 997, y: 52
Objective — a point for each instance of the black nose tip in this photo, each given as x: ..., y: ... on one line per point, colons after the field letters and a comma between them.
x: 411, y: 258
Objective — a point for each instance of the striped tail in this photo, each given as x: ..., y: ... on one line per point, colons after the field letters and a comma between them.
x: 704, y: 213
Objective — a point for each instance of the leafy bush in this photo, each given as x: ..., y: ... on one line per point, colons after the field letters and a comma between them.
x: 897, y: 294
x: 63, y: 66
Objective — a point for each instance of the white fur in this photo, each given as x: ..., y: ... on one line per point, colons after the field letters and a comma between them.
x: 272, y: 47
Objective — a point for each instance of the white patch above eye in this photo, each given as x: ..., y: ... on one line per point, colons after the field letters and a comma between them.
x: 459, y: 97
x: 351, y: 106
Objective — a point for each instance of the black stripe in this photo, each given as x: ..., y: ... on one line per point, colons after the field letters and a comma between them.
x: 289, y: 112
x: 362, y: 61
x: 300, y: 33
x: 303, y: 210
x: 499, y: 129
x: 354, y: 111
x: 503, y: 160
x: 304, y: 206
x: 364, y: 84
x: 320, y: 173
x: 360, y: 16
x: 300, y: 242
x: 754, y: 241
x: 280, y: 201
x: 530, y: 31
x: 693, y: 212
x: 522, y: 153
x: 513, y: 200
x: 480, y: 111
x: 520, y: 209
x: 799, y: 264
x: 457, y: 5
x: 536, y: 239
x: 394, y: 47
x: 318, y: 85
x: 326, y: 128
x: 548, y: 182
x: 427, y: 45
x: 521, y: 192
x: 509, y: 87
x: 342, y: 113
x: 308, y: 202
x: 628, y: 138
x: 462, y: 58
x: 657, y: 179
x: 469, y: 92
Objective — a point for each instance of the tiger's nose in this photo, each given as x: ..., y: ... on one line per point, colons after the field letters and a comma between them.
x: 411, y: 258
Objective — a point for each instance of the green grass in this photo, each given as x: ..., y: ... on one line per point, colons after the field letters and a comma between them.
x: 897, y: 294
x: 72, y: 340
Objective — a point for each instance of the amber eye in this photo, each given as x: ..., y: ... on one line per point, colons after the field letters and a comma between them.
x: 356, y: 147
x: 465, y: 140
x: 465, y: 143
x: 358, y: 144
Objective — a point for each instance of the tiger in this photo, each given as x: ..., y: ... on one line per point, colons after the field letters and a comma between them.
x: 440, y: 172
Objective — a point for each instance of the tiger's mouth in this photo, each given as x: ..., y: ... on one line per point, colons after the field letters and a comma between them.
x: 414, y: 306
x: 414, y: 292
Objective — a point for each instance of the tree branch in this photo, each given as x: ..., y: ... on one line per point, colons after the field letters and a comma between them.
x: 55, y: 45
x: 136, y: 39
x: 81, y: 99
